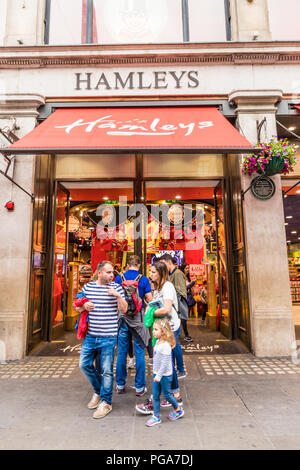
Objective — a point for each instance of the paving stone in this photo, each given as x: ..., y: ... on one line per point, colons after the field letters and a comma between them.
x: 286, y: 442
x: 279, y: 425
x: 239, y: 432
x: 221, y: 412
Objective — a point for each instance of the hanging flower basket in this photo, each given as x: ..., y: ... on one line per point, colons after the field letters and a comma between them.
x: 274, y: 166
x: 276, y: 156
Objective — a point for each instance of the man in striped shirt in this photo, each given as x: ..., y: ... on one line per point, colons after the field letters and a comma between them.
x: 105, y: 300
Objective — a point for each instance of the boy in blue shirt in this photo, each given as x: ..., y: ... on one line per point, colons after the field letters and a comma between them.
x: 133, y: 327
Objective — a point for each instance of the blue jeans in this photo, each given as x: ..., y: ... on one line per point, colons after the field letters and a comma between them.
x: 174, y: 384
x: 92, y: 346
x: 163, y: 386
x: 178, y: 352
x: 124, y: 338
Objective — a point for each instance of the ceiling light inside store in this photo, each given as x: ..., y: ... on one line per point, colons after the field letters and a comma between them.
x: 298, y: 191
x: 178, y: 197
x: 292, y: 128
x: 294, y: 231
x: 286, y: 223
x: 289, y: 217
x: 105, y: 198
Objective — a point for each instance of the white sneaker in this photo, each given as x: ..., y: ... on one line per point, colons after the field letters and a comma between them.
x: 94, y: 402
x: 130, y: 363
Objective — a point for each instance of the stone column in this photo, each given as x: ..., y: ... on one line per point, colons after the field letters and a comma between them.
x: 3, y: 16
x: 271, y: 316
x: 18, y: 113
x: 24, y: 22
x: 250, y: 20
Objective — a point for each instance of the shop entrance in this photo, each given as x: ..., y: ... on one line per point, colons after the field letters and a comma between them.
x: 100, y: 220
x: 175, y: 142
x: 292, y: 227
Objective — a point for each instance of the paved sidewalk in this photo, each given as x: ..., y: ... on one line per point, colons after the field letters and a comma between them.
x: 230, y: 402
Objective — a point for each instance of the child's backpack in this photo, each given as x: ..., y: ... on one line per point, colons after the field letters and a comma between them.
x: 132, y: 295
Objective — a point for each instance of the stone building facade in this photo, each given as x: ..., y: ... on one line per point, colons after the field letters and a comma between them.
x: 250, y: 69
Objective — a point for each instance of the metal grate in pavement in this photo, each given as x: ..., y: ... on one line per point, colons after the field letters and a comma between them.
x: 211, y: 366
x: 50, y: 368
x: 39, y: 369
x: 247, y: 365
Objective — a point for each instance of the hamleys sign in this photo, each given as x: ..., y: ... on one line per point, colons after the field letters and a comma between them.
x: 133, y: 128
x: 136, y: 126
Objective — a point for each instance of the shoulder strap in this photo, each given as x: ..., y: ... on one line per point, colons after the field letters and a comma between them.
x: 139, y: 277
x: 122, y: 277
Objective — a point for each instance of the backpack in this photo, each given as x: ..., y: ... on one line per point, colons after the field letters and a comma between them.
x: 132, y: 295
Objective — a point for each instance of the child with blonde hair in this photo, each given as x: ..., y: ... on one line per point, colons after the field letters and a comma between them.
x: 163, y: 372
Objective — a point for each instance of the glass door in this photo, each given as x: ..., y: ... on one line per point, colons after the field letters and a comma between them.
x: 60, y: 262
x: 39, y: 297
x: 223, y: 316
x: 181, y: 223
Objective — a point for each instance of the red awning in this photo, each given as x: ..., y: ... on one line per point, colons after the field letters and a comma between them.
x: 104, y: 130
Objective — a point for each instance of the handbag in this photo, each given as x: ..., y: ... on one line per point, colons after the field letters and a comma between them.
x: 183, y: 308
x: 190, y: 300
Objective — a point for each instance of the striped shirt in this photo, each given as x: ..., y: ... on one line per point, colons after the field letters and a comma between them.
x: 103, y: 320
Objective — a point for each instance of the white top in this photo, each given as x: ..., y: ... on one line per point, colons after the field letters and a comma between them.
x: 162, y: 360
x: 168, y: 292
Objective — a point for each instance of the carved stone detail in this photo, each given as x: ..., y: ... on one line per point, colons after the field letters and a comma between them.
x: 157, y: 59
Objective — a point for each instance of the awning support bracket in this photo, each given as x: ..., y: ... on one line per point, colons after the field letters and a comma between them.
x: 4, y: 173
x: 259, y: 127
